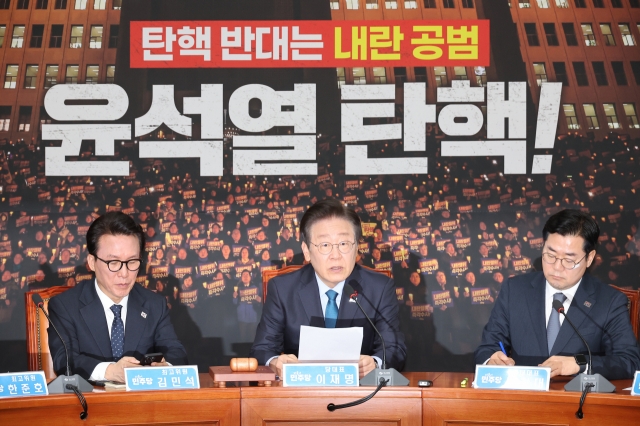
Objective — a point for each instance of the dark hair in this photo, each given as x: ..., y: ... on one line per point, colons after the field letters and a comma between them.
x: 113, y: 223
x: 573, y: 223
x: 327, y: 209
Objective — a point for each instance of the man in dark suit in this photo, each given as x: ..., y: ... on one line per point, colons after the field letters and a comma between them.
x: 92, y: 316
x: 534, y: 334
x: 312, y: 295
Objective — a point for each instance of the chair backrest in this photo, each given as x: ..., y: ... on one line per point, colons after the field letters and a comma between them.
x: 267, y: 275
x: 634, y: 307
x: 38, y: 354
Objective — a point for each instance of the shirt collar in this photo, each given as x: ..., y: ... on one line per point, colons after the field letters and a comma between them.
x: 324, y: 288
x: 105, y: 300
x: 569, y: 292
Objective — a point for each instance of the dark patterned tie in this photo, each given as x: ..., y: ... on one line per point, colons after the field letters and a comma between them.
x: 331, y: 313
x: 553, y: 328
x: 117, y: 333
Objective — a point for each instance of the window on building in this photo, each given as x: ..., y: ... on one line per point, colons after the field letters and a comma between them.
x: 24, y: 119
x: 532, y: 34
x: 37, y: 34
x: 410, y: 4
x: 71, y: 76
x: 11, y: 77
x: 543, y: 4
x: 352, y: 4
x: 541, y: 72
x: 55, y: 40
x: 334, y: 4
x: 612, y: 117
x: 607, y: 35
x: 581, y: 4
x: 421, y: 74
x: 81, y: 5
x: 113, y: 36
x: 627, y: 37
x: 60, y: 4
x: 400, y: 75
x: 635, y: 67
x: 359, y: 76
x: 379, y: 75
x: 50, y: 76
x: 449, y: 4
x: 441, y: 76
x: 42, y: 4
x: 31, y: 77
x: 560, y: 70
x: 562, y: 4
x: 17, y: 39
x: 632, y: 117
x: 5, y: 118
x: 99, y: 4
x: 3, y: 29
x: 570, y: 33
x: 391, y: 4
x: 570, y: 116
x: 44, y: 117
x: 117, y: 4
x: 601, y: 74
x: 75, y: 41
x: 581, y: 73
x: 550, y: 33
x: 524, y: 4
x: 95, y: 38
x: 111, y: 74
x: 460, y: 73
x: 372, y: 4
x: 618, y: 72
x: 5, y: 4
x: 93, y: 71
x: 616, y: 3
x: 22, y: 4
x: 587, y: 34
x: 598, y: 3
x: 481, y: 76
x: 634, y: 3
x: 592, y: 117
x: 467, y: 4
x: 342, y: 77
x: 429, y: 4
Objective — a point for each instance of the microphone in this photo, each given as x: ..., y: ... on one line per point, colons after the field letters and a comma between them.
x: 391, y: 376
x: 584, y: 381
x: 67, y: 383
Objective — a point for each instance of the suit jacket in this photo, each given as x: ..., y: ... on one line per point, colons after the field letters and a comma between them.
x: 293, y: 300
x: 80, y: 318
x: 599, y: 312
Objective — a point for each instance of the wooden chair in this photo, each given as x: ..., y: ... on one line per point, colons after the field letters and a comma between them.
x: 267, y: 275
x: 38, y: 354
x: 634, y: 307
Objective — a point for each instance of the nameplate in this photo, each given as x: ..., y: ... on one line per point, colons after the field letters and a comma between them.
x: 28, y: 383
x: 512, y: 377
x: 635, y: 388
x: 162, y: 378
x: 325, y: 374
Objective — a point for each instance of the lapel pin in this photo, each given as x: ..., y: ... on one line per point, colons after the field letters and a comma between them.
x: 143, y: 314
x: 587, y: 304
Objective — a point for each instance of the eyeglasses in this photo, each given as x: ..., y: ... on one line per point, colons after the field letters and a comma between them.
x: 326, y: 248
x: 116, y: 265
x: 566, y: 263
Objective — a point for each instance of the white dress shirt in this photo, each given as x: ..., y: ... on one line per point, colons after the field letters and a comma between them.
x: 548, y: 299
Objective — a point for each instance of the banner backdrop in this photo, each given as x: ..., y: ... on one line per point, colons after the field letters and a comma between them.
x: 224, y: 122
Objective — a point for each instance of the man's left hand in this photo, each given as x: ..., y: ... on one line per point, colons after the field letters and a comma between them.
x: 366, y: 365
x: 561, y: 365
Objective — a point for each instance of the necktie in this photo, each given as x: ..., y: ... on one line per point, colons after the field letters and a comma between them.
x: 553, y: 328
x: 331, y: 313
x: 117, y: 333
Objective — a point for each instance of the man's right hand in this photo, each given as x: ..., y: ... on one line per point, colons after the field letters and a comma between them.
x: 499, y: 358
x: 276, y: 363
x: 115, y: 372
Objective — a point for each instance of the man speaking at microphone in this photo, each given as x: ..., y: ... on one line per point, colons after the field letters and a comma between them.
x: 314, y: 296
x: 534, y: 333
x: 110, y: 323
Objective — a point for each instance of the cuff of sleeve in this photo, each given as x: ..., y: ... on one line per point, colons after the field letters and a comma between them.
x: 100, y: 370
x: 378, y: 361
x: 269, y: 360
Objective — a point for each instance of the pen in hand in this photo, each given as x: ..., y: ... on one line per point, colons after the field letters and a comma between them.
x: 502, y: 348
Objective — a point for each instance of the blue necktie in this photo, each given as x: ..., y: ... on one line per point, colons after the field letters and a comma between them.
x: 117, y: 333
x: 331, y: 313
x: 553, y: 328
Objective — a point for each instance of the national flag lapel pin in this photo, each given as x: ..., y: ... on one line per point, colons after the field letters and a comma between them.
x: 587, y: 303
x: 143, y: 314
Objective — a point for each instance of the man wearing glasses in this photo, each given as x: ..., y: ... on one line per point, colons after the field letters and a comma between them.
x: 314, y: 295
x: 533, y: 333
x: 110, y: 323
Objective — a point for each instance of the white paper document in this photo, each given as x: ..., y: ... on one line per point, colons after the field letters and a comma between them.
x: 330, y: 344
